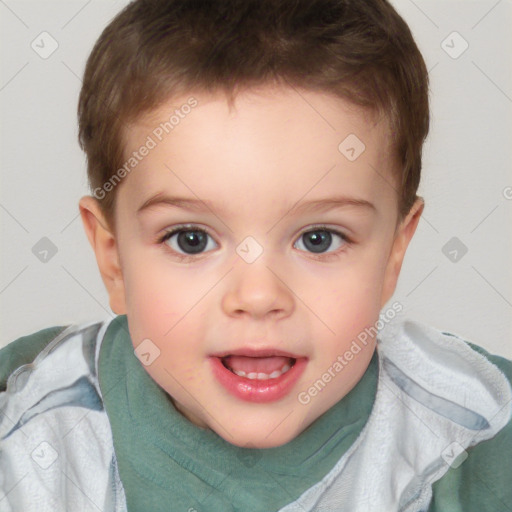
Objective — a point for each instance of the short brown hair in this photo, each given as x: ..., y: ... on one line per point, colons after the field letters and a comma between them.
x: 359, y: 50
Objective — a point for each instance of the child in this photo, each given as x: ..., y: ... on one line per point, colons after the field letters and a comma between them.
x: 281, y: 141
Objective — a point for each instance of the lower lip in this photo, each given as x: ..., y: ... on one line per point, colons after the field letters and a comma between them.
x: 258, y: 391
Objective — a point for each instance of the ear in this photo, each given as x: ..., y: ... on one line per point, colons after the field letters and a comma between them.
x: 403, y: 236
x: 105, y: 247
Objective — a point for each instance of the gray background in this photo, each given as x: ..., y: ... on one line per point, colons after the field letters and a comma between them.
x: 467, y: 178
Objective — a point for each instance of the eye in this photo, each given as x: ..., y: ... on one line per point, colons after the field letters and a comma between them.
x: 320, y: 238
x: 188, y: 240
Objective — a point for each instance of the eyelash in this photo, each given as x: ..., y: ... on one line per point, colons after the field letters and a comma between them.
x: 186, y: 227
x: 191, y: 227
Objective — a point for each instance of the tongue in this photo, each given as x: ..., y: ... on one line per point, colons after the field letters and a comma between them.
x: 257, y: 364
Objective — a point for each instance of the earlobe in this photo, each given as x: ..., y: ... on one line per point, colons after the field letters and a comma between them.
x: 105, y: 247
x: 403, y: 236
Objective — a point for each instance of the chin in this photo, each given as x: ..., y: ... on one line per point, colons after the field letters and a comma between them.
x: 257, y: 436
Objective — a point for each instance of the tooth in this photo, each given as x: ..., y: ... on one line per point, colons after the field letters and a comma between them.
x: 261, y: 375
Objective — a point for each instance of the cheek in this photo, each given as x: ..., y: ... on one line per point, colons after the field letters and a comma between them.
x: 354, y: 291
x: 163, y: 305
x: 348, y: 303
x: 155, y: 297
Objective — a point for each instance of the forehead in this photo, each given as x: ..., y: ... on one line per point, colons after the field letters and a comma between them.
x: 275, y: 143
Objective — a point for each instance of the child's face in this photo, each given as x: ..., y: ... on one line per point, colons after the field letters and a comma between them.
x: 258, y: 179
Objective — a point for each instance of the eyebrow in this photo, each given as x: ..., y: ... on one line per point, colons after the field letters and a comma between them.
x: 199, y: 205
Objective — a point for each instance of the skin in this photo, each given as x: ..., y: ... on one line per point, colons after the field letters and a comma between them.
x: 256, y: 164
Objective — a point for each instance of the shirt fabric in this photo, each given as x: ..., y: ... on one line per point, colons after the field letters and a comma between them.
x: 84, y: 427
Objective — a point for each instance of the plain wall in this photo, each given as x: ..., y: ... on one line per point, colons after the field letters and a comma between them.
x: 466, y: 183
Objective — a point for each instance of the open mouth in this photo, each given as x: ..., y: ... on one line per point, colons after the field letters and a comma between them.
x: 262, y: 376
x: 258, y: 368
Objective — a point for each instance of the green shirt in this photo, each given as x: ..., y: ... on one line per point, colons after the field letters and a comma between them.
x: 167, y: 463
x: 174, y: 461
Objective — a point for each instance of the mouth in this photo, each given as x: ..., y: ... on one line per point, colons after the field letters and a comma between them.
x: 258, y: 376
x: 258, y: 368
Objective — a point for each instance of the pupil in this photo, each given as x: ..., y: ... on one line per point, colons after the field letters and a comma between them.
x: 192, y: 241
x: 318, y: 241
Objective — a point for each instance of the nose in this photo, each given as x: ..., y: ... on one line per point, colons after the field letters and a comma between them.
x: 256, y: 291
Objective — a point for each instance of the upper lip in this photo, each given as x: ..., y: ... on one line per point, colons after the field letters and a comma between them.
x: 262, y: 352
